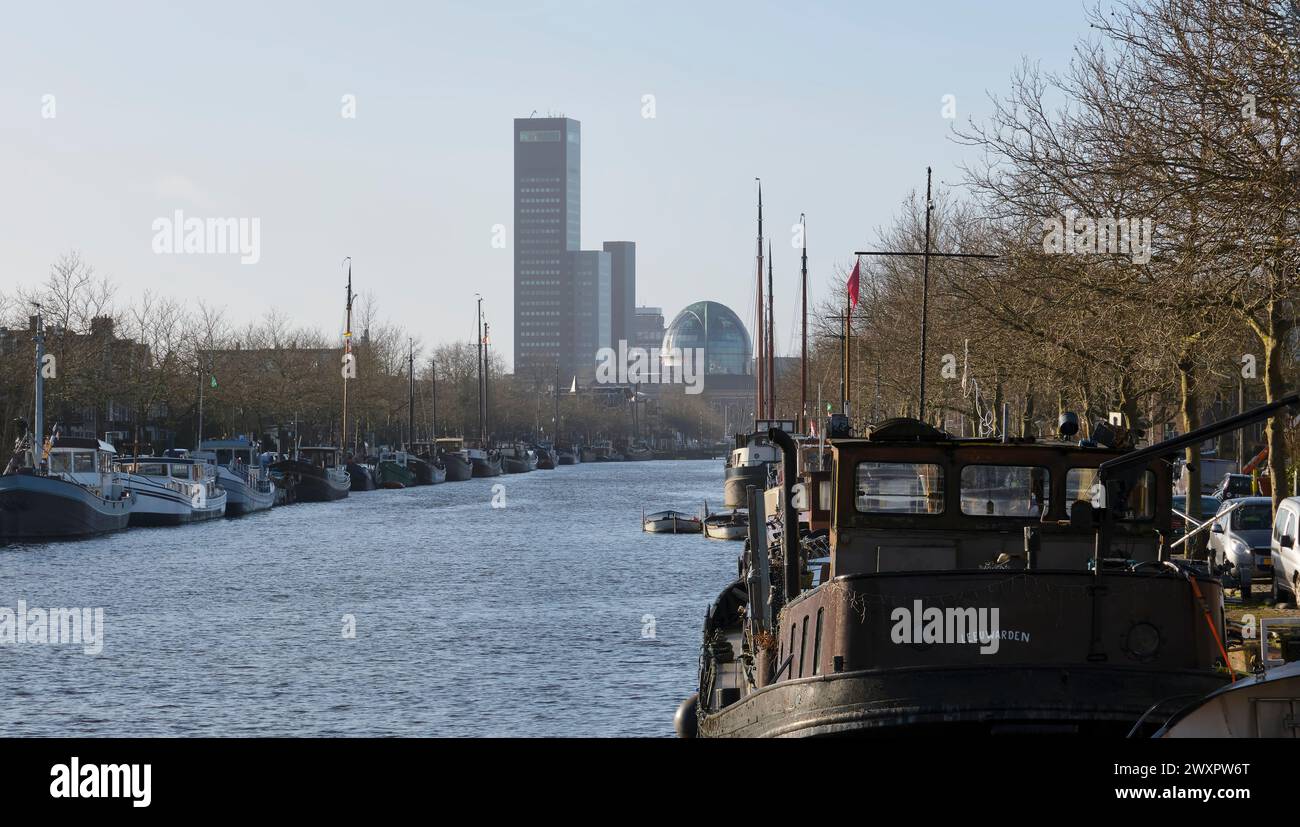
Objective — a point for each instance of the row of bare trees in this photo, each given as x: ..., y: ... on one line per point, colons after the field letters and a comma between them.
x: 143, y: 369
x: 1183, y: 114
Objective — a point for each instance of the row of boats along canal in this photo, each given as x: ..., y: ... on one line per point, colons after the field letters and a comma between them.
x: 65, y: 486
x: 905, y: 581
x: 79, y: 487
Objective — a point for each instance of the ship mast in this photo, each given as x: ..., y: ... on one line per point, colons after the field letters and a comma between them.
x: 771, y: 338
x: 410, y: 394
x: 758, y: 328
x: 803, y: 353
x: 347, y: 358
x: 478, y: 338
x: 433, y: 388
x: 38, y: 438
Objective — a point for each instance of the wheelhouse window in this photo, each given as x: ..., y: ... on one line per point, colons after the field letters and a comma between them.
x: 1005, y: 490
x: 899, y: 488
x: 60, y: 462
x: 1141, y: 503
x: 83, y: 462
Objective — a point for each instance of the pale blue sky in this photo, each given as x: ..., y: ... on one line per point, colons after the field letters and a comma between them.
x: 233, y: 109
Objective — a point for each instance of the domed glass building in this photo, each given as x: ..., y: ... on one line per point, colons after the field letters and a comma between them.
x: 713, y: 327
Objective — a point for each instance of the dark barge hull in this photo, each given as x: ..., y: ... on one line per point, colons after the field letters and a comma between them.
x: 738, y: 479
x: 359, y: 478
x: 486, y: 467
x: 513, y: 465
x: 459, y: 469
x: 153, y: 519
x: 308, y: 484
x: 41, y: 508
x: 1064, y: 700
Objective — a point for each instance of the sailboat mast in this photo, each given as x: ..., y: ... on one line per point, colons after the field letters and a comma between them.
x: 433, y: 386
x: 478, y: 338
x: 771, y: 337
x: 555, y: 428
x: 758, y: 337
x: 410, y: 394
x: 803, y: 328
x: 487, y: 376
x: 925, y: 300
x: 347, y: 358
x: 38, y: 438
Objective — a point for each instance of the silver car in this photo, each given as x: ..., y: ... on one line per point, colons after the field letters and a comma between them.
x: 1240, y: 541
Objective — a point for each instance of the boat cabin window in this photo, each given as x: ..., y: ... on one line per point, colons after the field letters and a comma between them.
x: 60, y: 462
x: 148, y: 469
x: 1005, y: 490
x: 899, y: 488
x: 1141, y: 503
x: 83, y: 462
x: 181, y: 472
x: 225, y: 456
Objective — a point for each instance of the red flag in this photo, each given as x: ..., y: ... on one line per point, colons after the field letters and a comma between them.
x: 853, y: 285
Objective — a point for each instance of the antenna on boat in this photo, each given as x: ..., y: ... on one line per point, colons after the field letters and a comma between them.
x: 925, y: 285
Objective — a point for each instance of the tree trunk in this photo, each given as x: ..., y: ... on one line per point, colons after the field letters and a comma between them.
x: 1275, y: 428
x: 1191, y: 421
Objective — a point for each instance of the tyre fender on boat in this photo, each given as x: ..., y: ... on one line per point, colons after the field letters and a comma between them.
x: 686, y: 722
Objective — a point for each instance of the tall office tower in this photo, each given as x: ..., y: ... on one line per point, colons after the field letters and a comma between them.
x: 591, y: 310
x: 547, y: 228
x: 622, y: 323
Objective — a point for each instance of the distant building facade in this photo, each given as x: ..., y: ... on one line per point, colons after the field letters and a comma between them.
x: 592, y: 311
x: 622, y: 291
x: 647, y: 327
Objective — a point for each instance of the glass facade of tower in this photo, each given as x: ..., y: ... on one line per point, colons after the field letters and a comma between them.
x: 547, y: 228
x: 591, y: 309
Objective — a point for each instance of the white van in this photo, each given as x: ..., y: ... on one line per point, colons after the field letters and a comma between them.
x: 1286, y: 556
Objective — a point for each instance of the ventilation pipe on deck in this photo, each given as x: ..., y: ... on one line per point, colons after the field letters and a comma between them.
x: 789, y: 517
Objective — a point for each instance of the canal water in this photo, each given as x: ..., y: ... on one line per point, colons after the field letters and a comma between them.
x: 552, y: 615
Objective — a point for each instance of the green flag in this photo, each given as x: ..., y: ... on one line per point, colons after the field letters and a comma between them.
x: 214, y: 381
